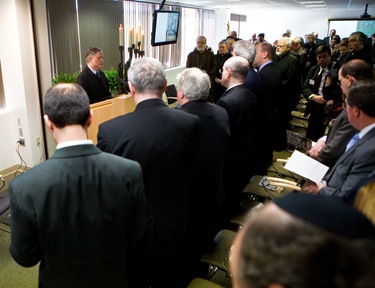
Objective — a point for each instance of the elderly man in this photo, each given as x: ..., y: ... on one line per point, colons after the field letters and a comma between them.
x: 358, y: 161
x: 307, y: 241
x: 246, y: 49
x: 240, y: 103
x: 207, y: 192
x: 74, y: 213
x: 202, y: 57
x: 166, y: 142
x: 288, y: 65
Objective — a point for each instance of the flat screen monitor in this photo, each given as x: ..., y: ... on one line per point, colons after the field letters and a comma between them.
x: 165, y: 27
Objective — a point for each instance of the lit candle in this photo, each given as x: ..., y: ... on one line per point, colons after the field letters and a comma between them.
x: 121, y: 35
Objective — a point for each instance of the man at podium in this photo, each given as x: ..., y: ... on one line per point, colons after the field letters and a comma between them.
x: 92, y: 79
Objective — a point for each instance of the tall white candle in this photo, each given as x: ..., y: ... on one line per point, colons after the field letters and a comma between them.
x: 121, y: 35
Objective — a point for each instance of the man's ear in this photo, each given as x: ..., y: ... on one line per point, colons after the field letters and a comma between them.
x: 48, y: 123
x: 131, y: 88
x: 165, y: 86
x: 89, y: 119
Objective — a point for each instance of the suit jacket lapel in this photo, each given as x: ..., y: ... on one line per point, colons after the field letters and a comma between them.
x: 345, y: 155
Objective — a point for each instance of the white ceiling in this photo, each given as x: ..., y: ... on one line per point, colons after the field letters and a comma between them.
x: 303, y: 5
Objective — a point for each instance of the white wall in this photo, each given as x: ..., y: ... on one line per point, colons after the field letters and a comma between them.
x: 20, y: 84
x: 275, y: 22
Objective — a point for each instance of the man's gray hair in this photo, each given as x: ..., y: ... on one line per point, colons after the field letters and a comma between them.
x: 244, y: 49
x: 195, y: 83
x: 147, y: 75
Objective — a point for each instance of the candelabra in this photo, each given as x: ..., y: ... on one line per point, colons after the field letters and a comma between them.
x: 122, y: 80
x: 134, y: 53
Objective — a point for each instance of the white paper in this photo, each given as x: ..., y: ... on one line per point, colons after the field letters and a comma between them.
x: 306, y: 167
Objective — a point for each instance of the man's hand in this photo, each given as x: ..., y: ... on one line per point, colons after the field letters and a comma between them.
x: 314, y: 151
x: 312, y: 187
x: 318, y: 99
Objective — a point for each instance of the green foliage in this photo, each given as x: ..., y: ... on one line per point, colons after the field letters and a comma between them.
x: 111, y: 75
x: 65, y: 78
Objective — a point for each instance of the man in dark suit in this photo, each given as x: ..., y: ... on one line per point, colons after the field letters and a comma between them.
x: 357, y: 42
x: 268, y: 127
x: 75, y: 213
x: 241, y: 106
x: 358, y: 161
x: 166, y: 142
x: 310, y: 48
x: 289, y: 94
x: 207, y: 191
x: 92, y: 79
x: 327, y: 40
x: 220, y: 58
x: 322, y: 90
x: 330, y: 147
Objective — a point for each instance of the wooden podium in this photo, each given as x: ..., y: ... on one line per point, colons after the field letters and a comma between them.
x: 109, y: 109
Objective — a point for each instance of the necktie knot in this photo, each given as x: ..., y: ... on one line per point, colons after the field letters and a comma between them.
x: 352, y: 141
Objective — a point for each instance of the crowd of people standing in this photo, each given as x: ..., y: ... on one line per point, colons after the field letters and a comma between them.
x: 177, y: 175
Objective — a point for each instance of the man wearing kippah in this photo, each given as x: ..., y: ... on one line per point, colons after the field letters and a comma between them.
x: 303, y: 240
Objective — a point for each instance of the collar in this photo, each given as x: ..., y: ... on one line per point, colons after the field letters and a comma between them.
x: 260, y: 68
x: 73, y: 143
x: 92, y: 70
x: 364, y: 131
x: 233, y: 86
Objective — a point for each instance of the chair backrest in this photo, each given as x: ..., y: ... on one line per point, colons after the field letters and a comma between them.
x: 171, y: 93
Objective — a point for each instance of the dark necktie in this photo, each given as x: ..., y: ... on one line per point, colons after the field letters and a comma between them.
x: 97, y: 74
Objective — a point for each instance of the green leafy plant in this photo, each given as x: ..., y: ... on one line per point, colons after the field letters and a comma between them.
x: 65, y: 78
x: 112, y: 75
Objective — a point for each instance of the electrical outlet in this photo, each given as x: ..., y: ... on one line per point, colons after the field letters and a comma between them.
x: 20, y: 132
x: 19, y: 122
x: 22, y: 141
x: 37, y: 139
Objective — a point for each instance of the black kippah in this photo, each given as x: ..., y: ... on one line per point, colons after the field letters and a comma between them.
x: 332, y: 214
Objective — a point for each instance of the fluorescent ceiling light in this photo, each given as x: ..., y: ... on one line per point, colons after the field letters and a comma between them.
x: 311, y: 2
x: 315, y: 6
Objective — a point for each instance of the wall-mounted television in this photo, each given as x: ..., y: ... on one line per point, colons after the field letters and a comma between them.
x: 165, y: 27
